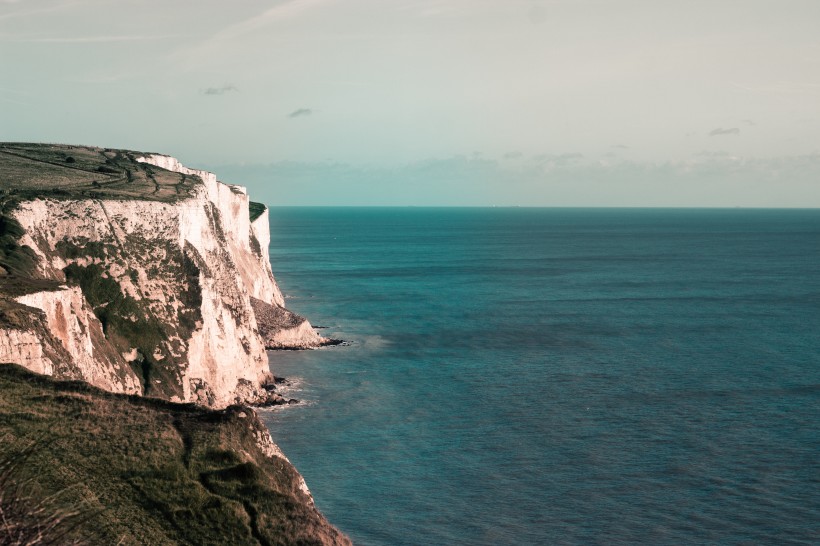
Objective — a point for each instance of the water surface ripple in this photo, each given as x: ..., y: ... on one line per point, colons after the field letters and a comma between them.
x: 543, y: 376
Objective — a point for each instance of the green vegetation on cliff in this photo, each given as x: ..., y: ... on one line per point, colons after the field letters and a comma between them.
x: 256, y: 210
x: 16, y: 265
x: 85, y: 172
x: 143, y: 471
x: 14, y: 259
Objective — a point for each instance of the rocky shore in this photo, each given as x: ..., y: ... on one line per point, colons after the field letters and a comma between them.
x: 271, y: 397
x: 282, y: 329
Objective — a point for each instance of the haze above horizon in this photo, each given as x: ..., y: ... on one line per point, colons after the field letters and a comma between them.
x: 435, y: 102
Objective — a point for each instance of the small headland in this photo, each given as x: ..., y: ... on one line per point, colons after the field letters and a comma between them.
x: 283, y: 330
x: 139, y: 470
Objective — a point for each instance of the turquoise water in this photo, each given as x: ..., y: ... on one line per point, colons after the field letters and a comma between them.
x: 540, y: 376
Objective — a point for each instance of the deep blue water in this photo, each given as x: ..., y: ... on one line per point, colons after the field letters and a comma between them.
x: 542, y: 376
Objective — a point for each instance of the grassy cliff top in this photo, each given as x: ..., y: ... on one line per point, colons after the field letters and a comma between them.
x: 57, y: 171
x: 143, y: 471
x: 81, y: 172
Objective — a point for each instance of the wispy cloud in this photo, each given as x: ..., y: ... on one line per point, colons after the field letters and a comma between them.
x: 553, y: 161
x: 39, y: 11
x: 276, y: 13
x: 227, y: 88
x: 104, y: 78
x: 782, y: 87
x: 89, y: 39
x: 301, y: 112
x: 238, y: 30
x: 14, y: 101
x: 620, y: 146
x: 721, y: 131
x: 435, y: 8
x: 16, y: 97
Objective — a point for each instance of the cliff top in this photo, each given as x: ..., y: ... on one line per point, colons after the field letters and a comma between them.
x: 82, y: 172
x: 58, y: 171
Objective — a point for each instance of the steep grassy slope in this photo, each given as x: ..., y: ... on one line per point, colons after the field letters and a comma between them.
x: 153, y: 472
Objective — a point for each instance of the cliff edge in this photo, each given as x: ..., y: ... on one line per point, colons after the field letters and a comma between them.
x: 136, y: 274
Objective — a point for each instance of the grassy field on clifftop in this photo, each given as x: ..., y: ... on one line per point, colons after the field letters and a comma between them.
x: 144, y: 471
x: 85, y: 172
x: 57, y: 171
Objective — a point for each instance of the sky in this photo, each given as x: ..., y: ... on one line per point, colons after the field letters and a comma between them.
x: 435, y: 102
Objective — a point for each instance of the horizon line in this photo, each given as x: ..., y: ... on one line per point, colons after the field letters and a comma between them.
x: 629, y: 207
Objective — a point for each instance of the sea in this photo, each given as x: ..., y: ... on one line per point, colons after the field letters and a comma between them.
x: 555, y: 376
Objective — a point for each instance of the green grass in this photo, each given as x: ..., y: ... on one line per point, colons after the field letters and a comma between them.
x: 31, y: 171
x: 256, y: 210
x: 14, y: 259
x: 128, y: 322
x: 75, y: 172
x: 153, y: 472
x: 17, y: 262
x: 122, y: 318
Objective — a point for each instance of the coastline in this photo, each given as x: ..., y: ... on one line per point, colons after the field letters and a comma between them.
x: 137, y: 275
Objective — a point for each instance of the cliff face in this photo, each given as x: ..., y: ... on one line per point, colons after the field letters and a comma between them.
x: 245, y: 241
x: 72, y: 327
x: 152, y: 294
x: 139, y: 276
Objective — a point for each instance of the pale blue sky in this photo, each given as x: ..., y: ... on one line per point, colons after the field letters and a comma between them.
x: 531, y: 102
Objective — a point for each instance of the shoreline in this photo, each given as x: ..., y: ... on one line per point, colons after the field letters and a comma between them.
x: 326, y: 342
x: 273, y: 398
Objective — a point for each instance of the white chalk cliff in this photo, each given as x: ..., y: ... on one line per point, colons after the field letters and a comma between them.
x: 152, y: 296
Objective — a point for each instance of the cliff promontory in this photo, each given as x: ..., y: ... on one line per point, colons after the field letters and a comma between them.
x: 138, y: 275
x: 79, y: 465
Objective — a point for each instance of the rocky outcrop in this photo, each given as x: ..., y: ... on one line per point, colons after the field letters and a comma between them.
x: 284, y: 329
x: 155, y: 295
